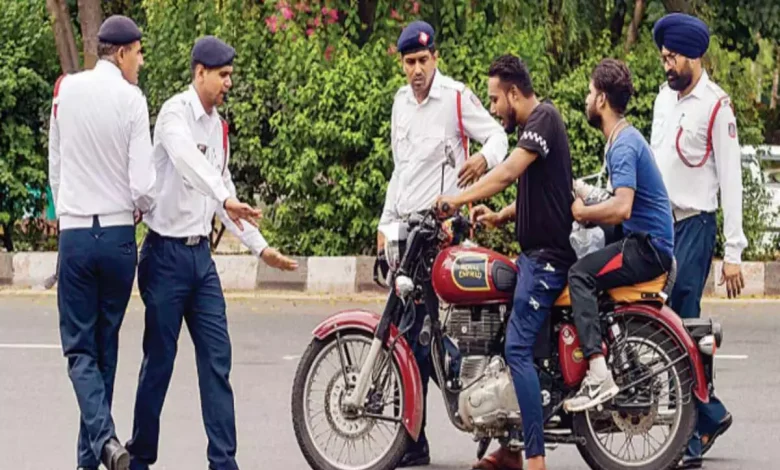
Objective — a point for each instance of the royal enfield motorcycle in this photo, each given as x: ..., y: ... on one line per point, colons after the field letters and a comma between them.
x: 357, y: 394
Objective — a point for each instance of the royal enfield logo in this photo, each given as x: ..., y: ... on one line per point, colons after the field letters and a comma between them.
x: 469, y: 272
x: 568, y: 337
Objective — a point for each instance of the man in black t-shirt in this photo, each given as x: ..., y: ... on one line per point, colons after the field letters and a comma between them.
x: 541, y: 166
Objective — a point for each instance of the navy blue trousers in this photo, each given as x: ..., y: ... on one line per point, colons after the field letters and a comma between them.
x: 694, y: 246
x: 180, y: 283
x: 538, y: 286
x: 422, y: 355
x: 96, y: 272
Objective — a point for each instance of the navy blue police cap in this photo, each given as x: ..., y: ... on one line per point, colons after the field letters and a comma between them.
x: 682, y: 34
x: 417, y: 35
x: 119, y: 30
x: 212, y: 52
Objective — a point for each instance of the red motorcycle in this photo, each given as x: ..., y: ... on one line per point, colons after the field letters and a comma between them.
x: 357, y: 395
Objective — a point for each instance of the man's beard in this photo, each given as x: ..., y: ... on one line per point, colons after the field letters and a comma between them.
x: 679, y: 82
x: 594, y: 118
x: 510, y: 121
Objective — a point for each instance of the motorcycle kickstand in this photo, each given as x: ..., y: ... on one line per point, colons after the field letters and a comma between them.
x: 482, y: 447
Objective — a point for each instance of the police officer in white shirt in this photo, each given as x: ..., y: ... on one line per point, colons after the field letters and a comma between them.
x: 694, y: 140
x: 100, y: 172
x: 432, y: 115
x: 176, y: 274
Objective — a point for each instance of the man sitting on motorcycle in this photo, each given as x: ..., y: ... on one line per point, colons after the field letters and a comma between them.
x: 541, y: 166
x: 640, y: 203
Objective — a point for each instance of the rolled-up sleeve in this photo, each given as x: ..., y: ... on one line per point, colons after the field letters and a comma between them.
x: 480, y: 126
x: 141, y: 168
x: 175, y: 136
x: 725, y: 144
x: 54, y: 157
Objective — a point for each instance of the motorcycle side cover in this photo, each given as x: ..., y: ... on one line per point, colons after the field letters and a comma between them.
x: 367, y: 321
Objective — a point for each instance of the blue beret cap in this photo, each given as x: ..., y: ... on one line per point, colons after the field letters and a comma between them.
x: 212, y: 52
x: 416, y: 36
x: 119, y: 30
x: 683, y: 34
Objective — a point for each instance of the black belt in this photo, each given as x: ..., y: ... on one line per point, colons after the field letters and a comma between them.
x: 189, y: 241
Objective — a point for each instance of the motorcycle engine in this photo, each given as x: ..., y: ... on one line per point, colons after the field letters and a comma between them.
x: 488, y: 402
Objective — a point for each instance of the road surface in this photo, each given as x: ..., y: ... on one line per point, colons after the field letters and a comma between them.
x: 39, y: 420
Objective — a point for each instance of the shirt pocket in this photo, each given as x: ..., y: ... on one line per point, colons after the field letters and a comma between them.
x: 428, y: 142
x: 690, y: 141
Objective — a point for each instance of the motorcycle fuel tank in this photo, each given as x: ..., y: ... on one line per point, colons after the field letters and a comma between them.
x: 473, y: 276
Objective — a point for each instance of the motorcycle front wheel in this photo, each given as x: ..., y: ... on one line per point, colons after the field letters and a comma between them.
x: 331, y: 438
x: 647, y: 427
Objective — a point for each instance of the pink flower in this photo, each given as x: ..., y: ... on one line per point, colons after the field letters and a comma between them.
x: 317, y: 22
x: 416, y: 7
x: 394, y: 14
x: 329, y: 52
x: 325, y: 10
x: 270, y: 22
x: 392, y: 49
x: 300, y: 6
x: 287, y: 13
x: 334, y: 14
x: 309, y: 31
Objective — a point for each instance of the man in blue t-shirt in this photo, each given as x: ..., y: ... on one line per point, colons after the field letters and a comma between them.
x: 640, y: 203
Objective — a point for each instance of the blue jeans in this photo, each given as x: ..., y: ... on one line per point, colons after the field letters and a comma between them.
x: 538, y: 286
x: 95, y: 274
x: 179, y: 283
x: 694, y: 245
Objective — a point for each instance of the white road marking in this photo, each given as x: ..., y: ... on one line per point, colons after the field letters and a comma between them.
x: 291, y: 357
x: 737, y: 357
x: 29, y: 346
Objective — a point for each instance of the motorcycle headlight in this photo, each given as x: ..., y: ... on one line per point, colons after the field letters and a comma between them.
x: 395, y: 244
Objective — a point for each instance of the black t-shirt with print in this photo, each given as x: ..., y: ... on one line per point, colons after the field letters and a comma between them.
x: 544, y: 190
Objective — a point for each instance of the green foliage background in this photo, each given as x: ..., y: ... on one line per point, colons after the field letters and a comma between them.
x: 310, y: 107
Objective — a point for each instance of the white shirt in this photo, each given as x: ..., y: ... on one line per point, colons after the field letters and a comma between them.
x: 420, y: 133
x: 100, y: 150
x: 194, y: 179
x: 679, y: 143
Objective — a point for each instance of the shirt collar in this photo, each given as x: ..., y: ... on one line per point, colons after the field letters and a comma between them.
x: 434, y: 92
x: 197, y: 106
x: 108, y: 67
x: 698, y: 90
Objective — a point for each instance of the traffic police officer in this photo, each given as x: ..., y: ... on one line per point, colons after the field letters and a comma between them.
x: 432, y: 115
x: 101, y: 172
x: 176, y: 274
x: 694, y: 139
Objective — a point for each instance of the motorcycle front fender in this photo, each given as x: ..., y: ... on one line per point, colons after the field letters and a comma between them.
x: 674, y: 324
x: 367, y: 321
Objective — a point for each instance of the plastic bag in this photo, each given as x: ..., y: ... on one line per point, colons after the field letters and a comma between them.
x: 586, y: 240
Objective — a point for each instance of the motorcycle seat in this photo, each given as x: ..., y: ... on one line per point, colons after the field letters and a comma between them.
x: 650, y: 290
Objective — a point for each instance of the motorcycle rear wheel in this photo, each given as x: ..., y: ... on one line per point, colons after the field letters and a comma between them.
x: 352, y: 432
x: 651, y: 338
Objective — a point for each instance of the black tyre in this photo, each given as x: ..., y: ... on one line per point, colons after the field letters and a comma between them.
x: 350, y: 437
x: 640, y: 416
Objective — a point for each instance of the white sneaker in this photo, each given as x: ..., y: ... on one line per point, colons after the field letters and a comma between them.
x: 593, y: 392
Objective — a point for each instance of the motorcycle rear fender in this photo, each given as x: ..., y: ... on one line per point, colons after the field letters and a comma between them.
x: 367, y: 321
x: 675, y: 325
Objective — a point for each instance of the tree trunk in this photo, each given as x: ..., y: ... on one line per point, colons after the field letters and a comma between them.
x: 8, y: 241
x: 618, y: 20
x: 633, y: 28
x: 63, y: 35
x: 90, y: 17
x: 684, y: 6
x: 775, y: 80
x: 367, y: 14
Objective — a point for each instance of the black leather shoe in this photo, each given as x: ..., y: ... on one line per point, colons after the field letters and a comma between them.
x: 416, y: 458
x: 115, y: 456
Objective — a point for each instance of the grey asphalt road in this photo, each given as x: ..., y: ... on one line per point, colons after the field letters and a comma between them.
x: 39, y: 419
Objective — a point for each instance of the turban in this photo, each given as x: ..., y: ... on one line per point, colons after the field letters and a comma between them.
x: 683, y: 34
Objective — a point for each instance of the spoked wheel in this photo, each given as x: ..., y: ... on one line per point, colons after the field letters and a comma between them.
x: 646, y: 427
x: 332, y: 437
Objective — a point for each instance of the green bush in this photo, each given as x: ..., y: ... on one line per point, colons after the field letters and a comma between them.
x: 26, y: 77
